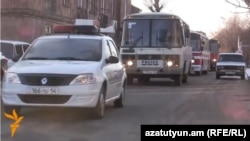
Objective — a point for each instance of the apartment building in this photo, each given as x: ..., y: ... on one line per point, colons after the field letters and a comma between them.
x: 28, y: 19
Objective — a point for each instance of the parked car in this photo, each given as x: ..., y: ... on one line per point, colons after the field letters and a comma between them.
x: 11, y: 48
x: 230, y: 64
x: 4, y: 65
x: 67, y: 70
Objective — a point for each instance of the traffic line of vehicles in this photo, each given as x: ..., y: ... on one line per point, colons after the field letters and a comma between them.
x: 77, y: 66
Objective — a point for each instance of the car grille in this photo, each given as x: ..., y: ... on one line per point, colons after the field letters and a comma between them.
x: 44, y: 99
x: 230, y: 67
x: 52, y: 79
x: 149, y: 57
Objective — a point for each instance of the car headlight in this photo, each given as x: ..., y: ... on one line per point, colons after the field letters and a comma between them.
x: 11, y: 78
x: 84, y: 79
x: 192, y: 61
x: 214, y: 60
x: 130, y: 63
x: 240, y: 67
x: 169, y: 63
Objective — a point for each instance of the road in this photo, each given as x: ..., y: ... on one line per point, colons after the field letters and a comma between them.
x: 203, y: 100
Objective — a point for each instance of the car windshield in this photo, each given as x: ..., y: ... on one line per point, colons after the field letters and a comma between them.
x: 230, y: 58
x: 65, y: 49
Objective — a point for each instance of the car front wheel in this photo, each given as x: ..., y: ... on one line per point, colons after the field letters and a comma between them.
x: 99, y: 110
x: 120, y: 101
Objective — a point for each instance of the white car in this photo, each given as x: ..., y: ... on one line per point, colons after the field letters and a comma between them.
x: 67, y: 71
x: 4, y: 65
x: 230, y: 64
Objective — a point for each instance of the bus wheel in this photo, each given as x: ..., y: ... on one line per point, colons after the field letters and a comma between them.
x: 185, y: 78
x: 198, y: 73
x: 178, y: 80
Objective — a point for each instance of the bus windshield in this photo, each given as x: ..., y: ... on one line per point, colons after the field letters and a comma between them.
x: 152, y: 33
x: 214, y: 48
x: 195, y: 42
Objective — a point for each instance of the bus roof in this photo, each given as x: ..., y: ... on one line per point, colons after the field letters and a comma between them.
x: 199, y: 33
x: 151, y: 15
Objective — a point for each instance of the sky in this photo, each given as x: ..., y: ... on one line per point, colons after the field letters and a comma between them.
x: 203, y: 15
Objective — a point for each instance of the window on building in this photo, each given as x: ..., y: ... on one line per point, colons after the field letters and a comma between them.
x: 48, y: 29
x: 79, y: 3
x: 102, y: 6
x: 51, y: 6
x: 93, y: 6
x: 112, y: 9
x: 66, y: 3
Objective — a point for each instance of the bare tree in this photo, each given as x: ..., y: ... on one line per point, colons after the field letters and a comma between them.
x: 155, y: 5
x: 237, y: 3
x: 228, y: 36
x: 247, y: 2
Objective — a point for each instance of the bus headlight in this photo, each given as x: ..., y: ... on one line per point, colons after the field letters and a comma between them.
x: 192, y: 61
x: 130, y: 63
x: 169, y: 63
x: 214, y: 60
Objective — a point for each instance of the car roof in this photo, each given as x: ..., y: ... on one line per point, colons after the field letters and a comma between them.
x: 14, y: 42
x: 75, y: 36
x: 230, y: 54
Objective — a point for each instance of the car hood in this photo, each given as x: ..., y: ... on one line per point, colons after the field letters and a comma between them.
x: 55, y: 67
x: 231, y: 64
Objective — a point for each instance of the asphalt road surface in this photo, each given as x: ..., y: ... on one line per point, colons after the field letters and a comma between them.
x: 203, y: 100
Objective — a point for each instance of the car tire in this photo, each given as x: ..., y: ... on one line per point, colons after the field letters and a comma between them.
x: 118, y: 103
x: 2, y: 74
x: 242, y: 77
x: 99, y: 110
x: 217, y: 76
x: 9, y: 109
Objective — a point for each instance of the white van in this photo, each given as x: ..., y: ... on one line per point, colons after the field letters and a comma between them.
x: 8, y: 50
x: 11, y: 48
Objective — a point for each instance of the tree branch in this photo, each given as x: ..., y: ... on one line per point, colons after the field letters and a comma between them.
x: 237, y: 5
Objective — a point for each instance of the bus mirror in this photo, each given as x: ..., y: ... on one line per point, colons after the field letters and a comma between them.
x: 187, y: 33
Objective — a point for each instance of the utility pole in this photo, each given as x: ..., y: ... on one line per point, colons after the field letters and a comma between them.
x: 118, y: 18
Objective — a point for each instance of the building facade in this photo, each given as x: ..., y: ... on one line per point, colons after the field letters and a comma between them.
x: 26, y: 20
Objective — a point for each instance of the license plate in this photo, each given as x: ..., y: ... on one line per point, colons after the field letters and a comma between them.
x: 230, y: 72
x: 149, y: 72
x: 149, y: 63
x: 34, y: 90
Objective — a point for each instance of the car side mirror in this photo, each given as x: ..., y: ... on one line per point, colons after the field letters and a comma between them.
x: 112, y: 60
x: 16, y: 57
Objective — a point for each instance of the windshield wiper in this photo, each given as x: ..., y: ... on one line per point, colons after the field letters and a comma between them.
x: 67, y: 58
x: 136, y: 42
x: 36, y: 58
